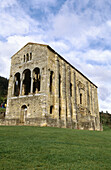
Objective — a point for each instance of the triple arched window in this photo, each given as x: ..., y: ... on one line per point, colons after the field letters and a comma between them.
x: 30, y: 82
x: 27, y: 57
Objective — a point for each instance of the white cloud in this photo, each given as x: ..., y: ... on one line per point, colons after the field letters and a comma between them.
x: 7, y: 3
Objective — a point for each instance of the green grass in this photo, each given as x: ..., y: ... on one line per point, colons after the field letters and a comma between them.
x: 33, y: 148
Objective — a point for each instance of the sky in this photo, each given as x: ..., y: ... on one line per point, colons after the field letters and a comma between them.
x: 79, y: 30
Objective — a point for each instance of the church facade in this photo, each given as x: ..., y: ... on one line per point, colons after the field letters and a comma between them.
x: 45, y: 90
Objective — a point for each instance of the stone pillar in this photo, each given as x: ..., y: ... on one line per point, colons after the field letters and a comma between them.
x: 13, y: 86
x: 31, y: 88
x: 97, y: 110
x: 21, y: 83
x: 68, y: 81
x: 22, y: 88
x: 63, y: 93
x: 42, y: 79
x: 57, y: 87
x: 74, y: 98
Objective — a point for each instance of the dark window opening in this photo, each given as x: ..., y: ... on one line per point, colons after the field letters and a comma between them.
x: 30, y: 56
x: 59, y: 86
x: 27, y: 57
x: 51, y: 109
x: 24, y: 58
x: 36, y: 80
x: 80, y: 98
x: 51, y: 81
x: 17, y: 84
x: 71, y: 89
x: 26, y: 82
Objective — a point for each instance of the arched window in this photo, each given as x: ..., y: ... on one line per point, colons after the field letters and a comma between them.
x: 59, y: 85
x: 36, y: 80
x: 59, y: 112
x: 51, y: 81
x: 24, y: 58
x: 30, y: 56
x: 80, y: 98
x: 17, y: 84
x: 26, y: 82
x: 27, y: 57
x: 71, y: 89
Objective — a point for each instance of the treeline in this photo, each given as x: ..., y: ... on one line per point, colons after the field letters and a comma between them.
x: 105, y: 118
x: 3, y: 89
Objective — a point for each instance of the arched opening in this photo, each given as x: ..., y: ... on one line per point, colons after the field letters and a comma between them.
x: 17, y: 84
x: 36, y: 80
x: 23, y: 113
x: 26, y: 82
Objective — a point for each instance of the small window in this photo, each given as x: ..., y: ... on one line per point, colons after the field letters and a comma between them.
x: 24, y: 58
x: 27, y: 57
x: 51, y: 109
x: 51, y: 81
x: 30, y: 56
x: 71, y: 89
x: 80, y: 98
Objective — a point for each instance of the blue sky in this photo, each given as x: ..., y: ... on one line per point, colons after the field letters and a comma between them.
x: 79, y: 30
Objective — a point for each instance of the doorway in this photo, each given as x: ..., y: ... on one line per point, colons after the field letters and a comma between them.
x: 23, y: 113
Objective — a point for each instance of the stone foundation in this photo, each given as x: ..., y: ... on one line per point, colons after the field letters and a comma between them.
x: 49, y: 122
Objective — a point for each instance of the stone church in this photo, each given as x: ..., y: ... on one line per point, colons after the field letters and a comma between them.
x: 45, y: 90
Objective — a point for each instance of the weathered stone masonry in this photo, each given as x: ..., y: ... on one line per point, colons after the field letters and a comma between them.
x: 45, y: 90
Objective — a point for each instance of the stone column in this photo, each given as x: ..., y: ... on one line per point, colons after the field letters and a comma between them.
x: 97, y: 110
x: 22, y: 88
x: 21, y: 83
x: 57, y: 87
x: 13, y: 86
x: 31, y: 88
x: 41, y: 79
x: 68, y: 80
x: 63, y: 93
x: 74, y: 98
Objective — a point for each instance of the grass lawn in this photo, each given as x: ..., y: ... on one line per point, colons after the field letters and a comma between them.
x: 33, y: 148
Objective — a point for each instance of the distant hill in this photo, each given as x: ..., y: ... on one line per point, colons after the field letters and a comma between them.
x: 3, y: 89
